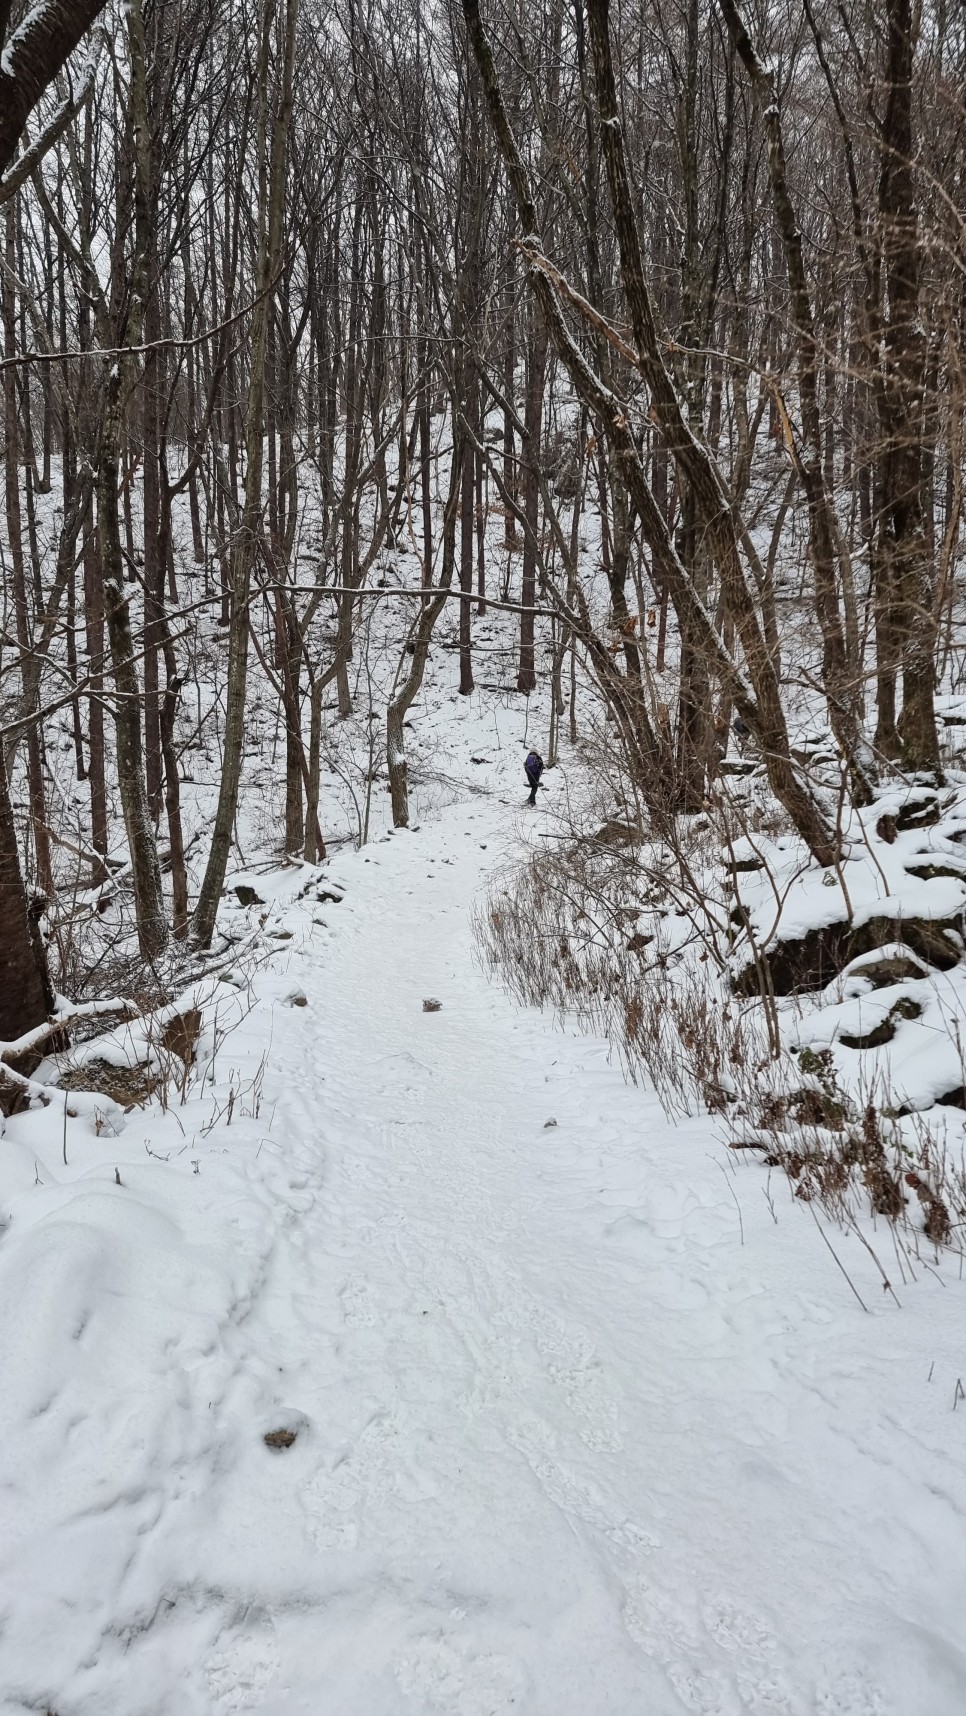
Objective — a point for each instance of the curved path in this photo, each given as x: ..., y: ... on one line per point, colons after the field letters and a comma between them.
x: 584, y: 1427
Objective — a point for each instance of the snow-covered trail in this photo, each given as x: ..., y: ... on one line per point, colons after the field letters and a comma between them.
x: 582, y: 1430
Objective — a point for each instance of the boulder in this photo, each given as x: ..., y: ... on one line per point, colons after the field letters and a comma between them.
x: 811, y: 961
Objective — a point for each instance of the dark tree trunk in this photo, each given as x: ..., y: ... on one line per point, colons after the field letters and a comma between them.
x: 533, y: 425
x: 466, y: 558
x: 25, y: 992
x: 902, y: 403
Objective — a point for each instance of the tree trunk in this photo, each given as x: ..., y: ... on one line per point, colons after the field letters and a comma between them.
x: 154, y: 556
x: 533, y: 424
x: 405, y: 694
x: 245, y: 549
x: 902, y: 403
x: 35, y: 765
x: 145, y: 869
x: 25, y: 993
x: 841, y: 676
x: 466, y: 554
x: 94, y: 622
x: 763, y: 711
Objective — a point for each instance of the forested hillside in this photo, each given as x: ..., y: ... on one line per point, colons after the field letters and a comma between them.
x: 517, y: 448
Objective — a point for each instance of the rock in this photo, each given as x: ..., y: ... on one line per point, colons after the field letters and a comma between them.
x: 874, y: 1039
x: 890, y: 968
x: 919, y: 811
x: 290, y: 1426
x: 247, y: 896
x: 812, y: 960
x: 809, y: 962
x: 905, y: 1008
x: 548, y: 1124
x: 927, y: 871
x: 279, y: 1439
x: 432, y: 1006
x: 930, y: 938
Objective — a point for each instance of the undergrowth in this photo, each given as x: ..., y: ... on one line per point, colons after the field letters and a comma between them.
x: 639, y: 941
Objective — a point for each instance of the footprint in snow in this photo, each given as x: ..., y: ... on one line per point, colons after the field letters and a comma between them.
x: 850, y: 1695
x: 765, y: 1697
x: 588, y: 1400
x: 337, y: 1500
x: 573, y: 1367
x: 749, y: 1686
x: 656, y: 1623
x: 709, y: 1692
x: 572, y: 1494
x: 333, y: 1502
x: 241, y: 1665
x: 357, y: 1307
x: 703, y: 1691
x: 633, y: 1538
x: 445, y: 1677
x: 735, y: 1631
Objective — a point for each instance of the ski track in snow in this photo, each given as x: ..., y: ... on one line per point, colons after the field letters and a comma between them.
x: 567, y: 1446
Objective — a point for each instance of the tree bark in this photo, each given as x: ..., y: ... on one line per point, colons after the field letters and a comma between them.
x: 763, y: 711
x: 31, y: 58
x: 405, y: 694
x: 28, y: 671
x: 25, y: 992
x: 842, y: 677
x: 272, y: 175
x: 533, y: 425
x: 902, y: 405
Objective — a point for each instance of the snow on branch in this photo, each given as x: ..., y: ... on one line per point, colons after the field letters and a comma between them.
x: 31, y: 158
x: 36, y: 51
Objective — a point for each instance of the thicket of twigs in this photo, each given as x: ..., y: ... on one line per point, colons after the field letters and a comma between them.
x: 661, y: 947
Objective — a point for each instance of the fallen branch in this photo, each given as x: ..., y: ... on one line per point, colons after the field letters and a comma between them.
x: 32, y: 1040
x: 26, y: 1086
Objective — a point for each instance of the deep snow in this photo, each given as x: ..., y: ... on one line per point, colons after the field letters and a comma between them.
x: 588, y: 1419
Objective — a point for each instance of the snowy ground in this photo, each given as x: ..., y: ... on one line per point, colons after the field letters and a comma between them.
x: 585, y: 1425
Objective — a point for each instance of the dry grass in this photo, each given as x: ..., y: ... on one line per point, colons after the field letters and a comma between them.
x: 588, y: 936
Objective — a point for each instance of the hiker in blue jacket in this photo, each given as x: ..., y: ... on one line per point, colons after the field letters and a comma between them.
x: 534, y: 769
